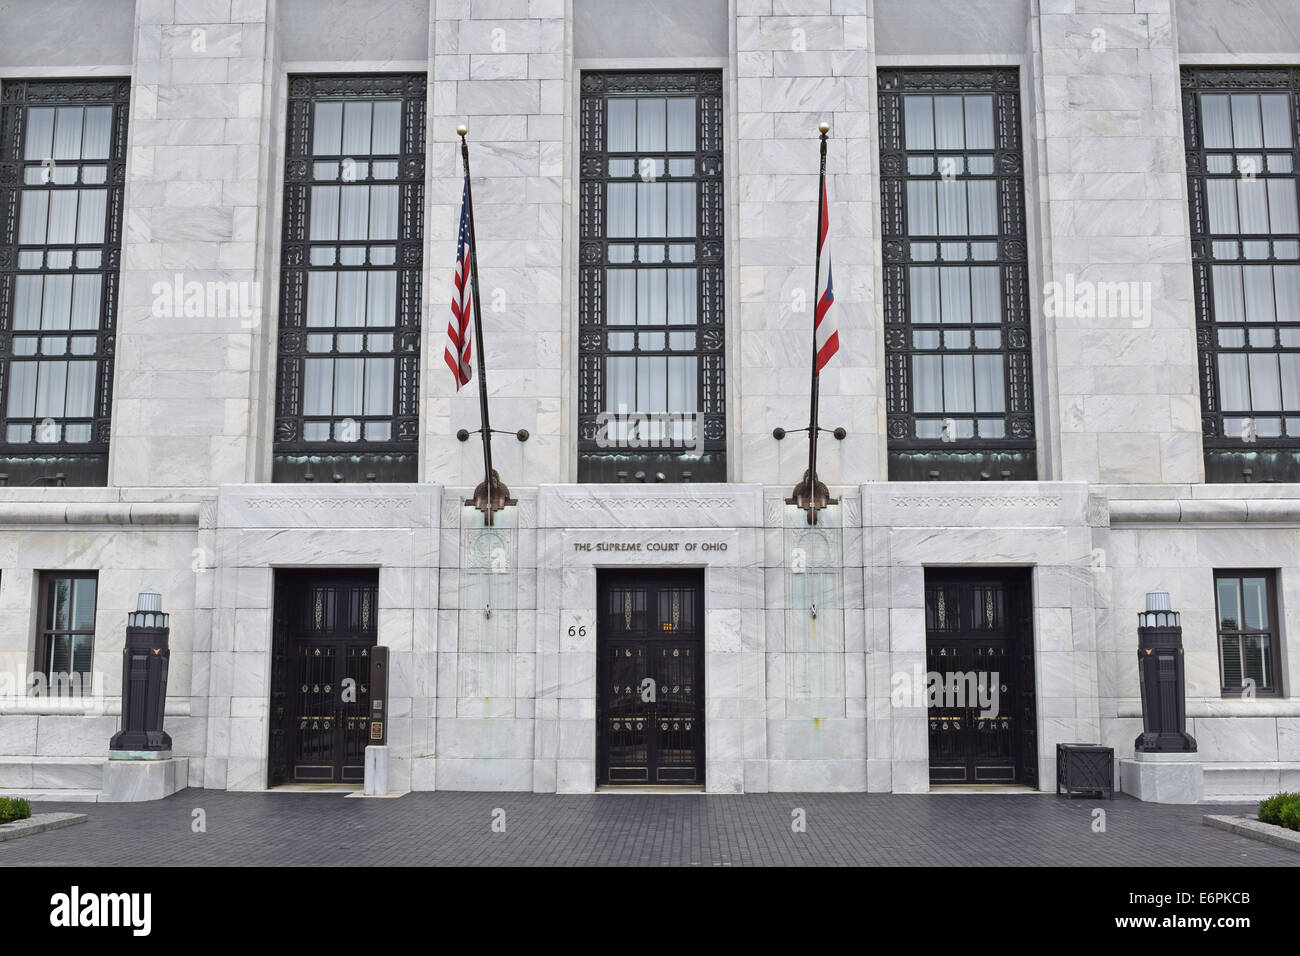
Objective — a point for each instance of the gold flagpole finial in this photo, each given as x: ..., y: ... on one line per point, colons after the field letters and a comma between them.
x: 824, y: 128
x: 462, y: 130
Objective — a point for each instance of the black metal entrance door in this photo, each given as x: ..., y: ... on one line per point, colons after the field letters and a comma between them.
x: 325, y: 625
x: 650, y: 680
x: 980, y: 677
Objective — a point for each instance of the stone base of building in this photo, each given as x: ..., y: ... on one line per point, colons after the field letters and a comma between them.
x: 1163, y: 777
x: 134, y: 781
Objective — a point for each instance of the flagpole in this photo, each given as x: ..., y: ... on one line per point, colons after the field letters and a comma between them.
x: 478, y: 327
x: 816, y: 379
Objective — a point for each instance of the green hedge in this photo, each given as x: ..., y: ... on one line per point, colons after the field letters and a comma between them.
x: 1282, y: 810
x: 14, y: 808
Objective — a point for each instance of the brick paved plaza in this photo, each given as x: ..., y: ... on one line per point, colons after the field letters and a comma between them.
x: 455, y: 828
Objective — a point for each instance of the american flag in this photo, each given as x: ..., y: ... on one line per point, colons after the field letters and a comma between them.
x: 828, y: 336
x: 457, y: 352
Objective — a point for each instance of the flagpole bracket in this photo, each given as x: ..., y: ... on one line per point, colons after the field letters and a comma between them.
x: 490, y: 502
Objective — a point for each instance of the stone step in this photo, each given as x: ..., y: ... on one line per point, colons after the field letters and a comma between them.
x: 51, y: 773
x: 54, y: 796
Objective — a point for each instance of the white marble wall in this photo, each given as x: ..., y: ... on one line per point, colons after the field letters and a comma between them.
x: 799, y: 63
x: 1117, y: 384
x: 188, y: 390
x: 502, y: 68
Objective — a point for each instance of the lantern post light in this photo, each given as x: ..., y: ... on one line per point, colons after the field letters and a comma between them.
x: 1161, y: 674
x: 144, y: 682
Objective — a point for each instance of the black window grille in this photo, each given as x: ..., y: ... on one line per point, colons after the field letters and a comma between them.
x: 651, y: 377
x: 1241, y: 138
x: 62, y: 175
x: 347, y: 403
x: 1250, y: 658
x: 959, y: 391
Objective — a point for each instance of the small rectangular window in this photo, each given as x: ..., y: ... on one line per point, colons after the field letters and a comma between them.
x: 1249, y: 636
x: 65, y: 646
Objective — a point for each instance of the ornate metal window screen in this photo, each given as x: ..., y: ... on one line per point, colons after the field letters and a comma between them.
x: 958, y: 380
x: 62, y: 175
x: 652, y: 388
x: 1241, y: 137
x: 349, y: 343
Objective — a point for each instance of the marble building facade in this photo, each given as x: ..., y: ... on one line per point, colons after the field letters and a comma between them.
x: 1116, y: 504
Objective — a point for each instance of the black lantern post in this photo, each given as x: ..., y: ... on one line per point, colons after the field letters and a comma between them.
x: 1161, y: 675
x: 144, y: 678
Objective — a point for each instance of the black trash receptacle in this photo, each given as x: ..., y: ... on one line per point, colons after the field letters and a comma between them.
x: 1085, y: 768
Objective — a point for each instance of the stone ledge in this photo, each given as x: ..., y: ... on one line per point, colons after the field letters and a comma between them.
x: 39, y: 823
x: 1245, y: 826
x: 1139, y: 511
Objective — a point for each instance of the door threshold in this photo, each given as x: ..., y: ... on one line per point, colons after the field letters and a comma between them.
x: 316, y: 788
x: 664, y: 788
x: 983, y: 788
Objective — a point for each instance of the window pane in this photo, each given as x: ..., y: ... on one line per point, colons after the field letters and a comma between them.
x: 387, y: 133
x: 620, y: 290
x: 955, y: 293
x: 379, y: 386
x: 1246, y: 121
x: 650, y: 210
x: 98, y: 132
x: 51, y: 386
x: 927, y: 383
x: 40, y: 133
x: 620, y: 386
x: 958, y: 384
x: 80, y: 401
x: 921, y: 211
x: 1254, y: 595
x: 989, y: 391
x: 383, y: 212
x: 1290, y: 370
x: 620, y: 122
x: 952, y: 207
x: 348, y: 383
x: 85, y: 301
x: 651, y: 384
x: 986, y: 298
x: 83, y: 604
x: 983, y: 207
x: 620, y: 215
x: 681, y: 124
x: 1233, y: 386
x: 681, y: 209
x: 354, y: 208
x: 32, y: 216
x: 1229, y: 604
x: 321, y: 288
x: 979, y: 122
x: 1282, y: 205
x: 1216, y: 120
x: 67, y: 132
x: 90, y: 220
x: 356, y: 128
x: 324, y: 212
x: 1228, y: 294
x: 22, y: 390
x: 918, y: 117
x: 56, y: 310
x: 327, y: 131
x: 351, y: 304
x: 1252, y: 205
x: 381, y: 299
x: 1265, y: 394
x: 1222, y: 199
x: 652, y: 297
x: 681, y: 296
x: 650, y: 125
x: 923, y: 293
x: 1230, y: 660
x: 1258, y: 282
x: 949, y: 123
x: 1286, y: 287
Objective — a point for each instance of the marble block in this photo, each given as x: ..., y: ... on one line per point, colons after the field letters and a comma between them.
x: 134, y: 781
x: 1163, y: 778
